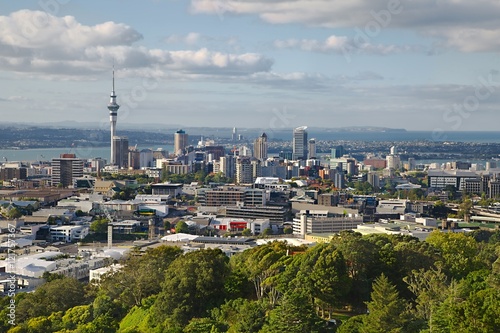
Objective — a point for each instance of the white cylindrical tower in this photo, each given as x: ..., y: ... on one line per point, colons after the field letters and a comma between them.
x: 113, y: 114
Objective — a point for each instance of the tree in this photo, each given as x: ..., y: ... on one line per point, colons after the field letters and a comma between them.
x: 465, y: 209
x: 99, y: 226
x: 167, y: 225
x: 351, y: 325
x: 363, y: 265
x: 294, y: 314
x: 329, y: 280
x: 194, y: 284
x: 77, y: 316
x: 246, y: 232
x: 439, y: 210
x: 260, y: 264
x: 385, y: 309
x: 14, y: 213
x: 459, y: 252
x: 267, y: 232
x: 241, y: 315
x: 48, y: 298
x: 164, y: 173
x: 430, y: 288
x: 140, y: 276
x: 181, y: 227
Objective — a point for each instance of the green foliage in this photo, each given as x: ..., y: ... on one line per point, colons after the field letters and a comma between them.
x: 329, y: 280
x: 352, y: 325
x: 201, y: 325
x: 126, y: 193
x: 363, y: 265
x: 439, y: 210
x: 385, y: 309
x: 260, y: 265
x: 141, y: 276
x: 458, y: 252
x: 363, y: 188
x: 181, y: 227
x: 464, y: 210
x: 430, y: 288
x: 246, y: 232
x: 241, y: 315
x: 48, y: 298
x: 389, y: 283
x: 99, y: 225
x: 194, y: 284
x: 294, y: 314
x: 468, y: 308
x: 77, y: 316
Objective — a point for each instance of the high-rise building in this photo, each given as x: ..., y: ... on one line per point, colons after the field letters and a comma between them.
x: 412, y: 164
x: 66, y: 168
x: 113, y: 115
x: 244, y: 171
x: 338, y: 152
x: 146, y: 159
x: 120, y: 151
x: 299, y: 143
x: 312, y: 148
x: 260, y: 147
x: 392, y: 160
x: 227, y: 165
x: 234, y: 135
x: 180, y: 142
x: 134, y: 159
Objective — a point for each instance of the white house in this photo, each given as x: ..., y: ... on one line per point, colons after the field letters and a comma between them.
x: 68, y: 233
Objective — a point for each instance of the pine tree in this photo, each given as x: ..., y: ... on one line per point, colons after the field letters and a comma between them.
x: 385, y: 309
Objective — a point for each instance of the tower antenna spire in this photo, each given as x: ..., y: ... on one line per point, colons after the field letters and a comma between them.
x: 113, y: 76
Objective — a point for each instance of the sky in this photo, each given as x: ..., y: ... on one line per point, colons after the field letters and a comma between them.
x: 271, y: 64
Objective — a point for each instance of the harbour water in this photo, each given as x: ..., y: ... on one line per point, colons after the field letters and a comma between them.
x: 87, y: 152
x: 46, y: 154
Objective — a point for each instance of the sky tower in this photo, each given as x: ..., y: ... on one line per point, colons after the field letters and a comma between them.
x: 113, y: 113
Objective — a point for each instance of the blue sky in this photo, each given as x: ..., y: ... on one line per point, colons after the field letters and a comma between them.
x: 419, y: 65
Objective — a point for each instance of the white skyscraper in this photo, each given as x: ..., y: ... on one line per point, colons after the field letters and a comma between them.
x: 299, y: 143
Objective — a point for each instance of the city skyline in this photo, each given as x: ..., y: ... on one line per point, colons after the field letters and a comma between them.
x: 398, y: 64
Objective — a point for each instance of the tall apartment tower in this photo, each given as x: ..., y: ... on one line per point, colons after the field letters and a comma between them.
x: 113, y: 115
x: 311, y: 148
x: 299, y: 143
x: 66, y: 168
x: 120, y: 151
x: 180, y: 142
x: 260, y: 147
x: 244, y: 170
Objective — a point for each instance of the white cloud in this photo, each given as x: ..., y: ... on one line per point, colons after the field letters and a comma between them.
x: 191, y: 38
x: 342, y: 45
x: 38, y: 43
x: 469, y: 26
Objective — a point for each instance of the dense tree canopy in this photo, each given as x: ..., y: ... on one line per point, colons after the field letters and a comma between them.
x: 377, y: 283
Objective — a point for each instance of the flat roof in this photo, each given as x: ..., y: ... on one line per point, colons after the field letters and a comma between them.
x: 224, y: 240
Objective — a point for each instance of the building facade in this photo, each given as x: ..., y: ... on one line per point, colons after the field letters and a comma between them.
x: 120, y: 151
x: 65, y: 169
x: 180, y: 142
x: 260, y: 147
x: 299, y: 143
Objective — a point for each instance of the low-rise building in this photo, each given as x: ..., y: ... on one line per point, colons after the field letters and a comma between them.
x: 305, y: 224
x: 68, y: 233
x: 95, y: 275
